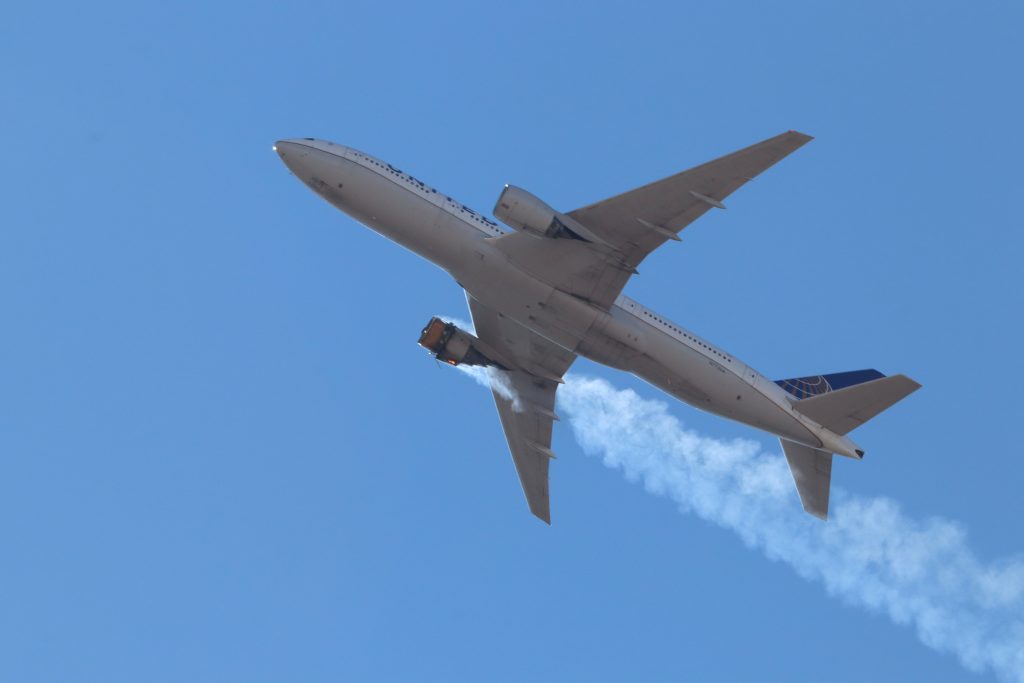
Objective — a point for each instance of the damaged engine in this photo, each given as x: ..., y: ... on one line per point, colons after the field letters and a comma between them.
x: 454, y: 346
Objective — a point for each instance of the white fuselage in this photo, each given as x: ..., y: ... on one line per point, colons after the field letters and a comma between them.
x: 629, y: 336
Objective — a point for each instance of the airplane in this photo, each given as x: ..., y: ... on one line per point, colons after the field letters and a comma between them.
x: 551, y: 290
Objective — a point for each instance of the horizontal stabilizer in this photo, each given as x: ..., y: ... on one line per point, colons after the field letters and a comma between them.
x: 812, y: 472
x: 846, y: 409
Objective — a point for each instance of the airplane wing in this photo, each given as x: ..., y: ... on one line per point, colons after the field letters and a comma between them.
x: 633, y: 224
x: 639, y: 221
x: 526, y: 405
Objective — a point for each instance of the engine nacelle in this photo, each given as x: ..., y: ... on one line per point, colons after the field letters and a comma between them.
x: 519, y: 209
x: 455, y: 346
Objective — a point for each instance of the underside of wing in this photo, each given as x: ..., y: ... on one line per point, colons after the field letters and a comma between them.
x: 525, y: 400
x: 528, y: 432
x: 572, y: 266
x: 616, y: 234
x: 638, y: 221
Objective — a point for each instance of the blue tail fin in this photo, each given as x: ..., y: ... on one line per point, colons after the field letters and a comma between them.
x: 805, y: 387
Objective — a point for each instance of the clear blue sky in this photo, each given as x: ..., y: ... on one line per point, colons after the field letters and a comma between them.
x: 224, y: 458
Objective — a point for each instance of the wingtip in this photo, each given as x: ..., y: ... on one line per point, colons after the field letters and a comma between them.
x: 803, y: 136
x: 543, y: 515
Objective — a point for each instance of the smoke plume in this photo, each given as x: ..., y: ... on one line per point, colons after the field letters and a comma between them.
x: 493, y: 379
x: 489, y: 377
x: 918, y: 572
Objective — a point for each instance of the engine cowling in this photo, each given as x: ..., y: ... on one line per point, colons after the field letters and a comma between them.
x: 521, y: 210
x: 455, y: 346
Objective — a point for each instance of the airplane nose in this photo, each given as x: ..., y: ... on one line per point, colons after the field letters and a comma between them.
x: 292, y: 154
x: 282, y: 147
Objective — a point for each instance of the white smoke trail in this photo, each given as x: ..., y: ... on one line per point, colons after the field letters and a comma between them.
x: 486, y: 376
x: 493, y: 379
x: 919, y: 572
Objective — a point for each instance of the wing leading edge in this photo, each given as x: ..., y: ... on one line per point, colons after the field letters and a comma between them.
x: 526, y: 403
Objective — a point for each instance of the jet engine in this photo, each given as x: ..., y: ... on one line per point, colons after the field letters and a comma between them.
x: 521, y: 210
x: 455, y: 346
